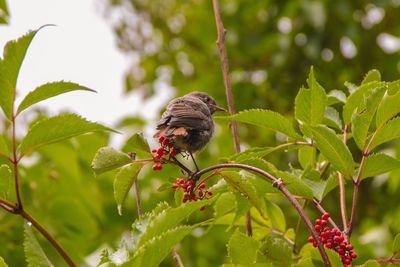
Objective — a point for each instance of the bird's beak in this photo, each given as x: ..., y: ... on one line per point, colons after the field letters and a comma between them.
x: 217, y: 108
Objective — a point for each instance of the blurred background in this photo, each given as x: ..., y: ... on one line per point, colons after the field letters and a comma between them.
x: 138, y: 54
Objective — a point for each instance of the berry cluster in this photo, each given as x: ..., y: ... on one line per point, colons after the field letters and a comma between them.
x: 333, y: 239
x: 160, y: 154
x: 198, y: 192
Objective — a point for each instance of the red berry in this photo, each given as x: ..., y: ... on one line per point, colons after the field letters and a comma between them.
x: 347, y: 261
x: 311, y: 239
x: 353, y: 255
x: 349, y: 247
x: 317, y: 228
x: 318, y: 221
x: 181, y: 181
x: 323, y: 223
x: 209, y: 193
x: 202, y: 186
x: 315, y: 244
x: 161, y: 139
x: 201, y: 193
x: 326, y: 216
x: 328, y: 245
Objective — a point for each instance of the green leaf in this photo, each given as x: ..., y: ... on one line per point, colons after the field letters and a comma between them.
x: 310, y: 103
x: 370, y: 263
x: 266, y: 119
x: 377, y: 164
x: 275, y: 215
x: 107, y: 158
x: 56, y: 129
x: 388, y: 108
x: 356, y: 100
x: 333, y: 149
x: 332, y: 118
x: 388, y: 132
x: 234, y: 179
x: 396, y: 245
x: 321, y: 188
x: 336, y: 96
x: 307, y: 156
x: 5, y: 180
x: 123, y: 182
x: 361, y: 121
x: 225, y: 203
x: 49, y: 90
x: 242, y: 249
x: 153, y: 252
x: 295, y: 185
x: 277, y: 250
x: 372, y: 76
x: 3, y: 263
x: 13, y: 56
x: 3, y: 147
x: 4, y: 14
x: 168, y: 219
x: 34, y: 253
x: 137, y: 144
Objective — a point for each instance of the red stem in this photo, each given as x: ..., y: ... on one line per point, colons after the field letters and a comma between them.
x: 342, y: 189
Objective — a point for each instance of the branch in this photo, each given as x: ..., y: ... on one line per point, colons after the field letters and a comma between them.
x: 221, y: 32
x: 388, y: 260
x: 278, y: 183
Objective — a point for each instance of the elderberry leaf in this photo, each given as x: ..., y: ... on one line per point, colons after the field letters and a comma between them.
x: 275, y: 215
x: 108, y: 158
x: 123, y: 182
x: 242, y: 249
x: 372, y: 76
x: 277, y: 250
x: 10, y: 65
x: 396, y: 245
x: 137, y: 144
x: 310, y: 103
x: 370, y: 263
x: 388, y: 132
x: 332, y: 148
x: 377, y: 164
x: 388, y: 108
x: 224, y: 204
x: 5, y: 180
x: 3, y: 263
x: 266, y: 119
x: 3, y: 147
x: 47, y: 91
x: 153, y: 251
x: 356, y: 100
x: 34, y: 253
x: 56, y: 129
x: 295, y: 185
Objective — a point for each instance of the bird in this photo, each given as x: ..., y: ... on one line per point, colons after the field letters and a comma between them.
x: 187, y: 122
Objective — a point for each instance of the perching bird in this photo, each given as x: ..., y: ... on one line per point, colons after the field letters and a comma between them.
x: 187, y: 121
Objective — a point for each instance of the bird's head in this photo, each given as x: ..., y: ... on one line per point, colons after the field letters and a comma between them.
x: 208, y: 100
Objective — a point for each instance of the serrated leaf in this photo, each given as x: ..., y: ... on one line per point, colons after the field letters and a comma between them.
x: 396, y: 245
x: 388, y: 108
x: 137, y: 144
x: 372, y: 76
x: 361, y: 122
x: 295, y: 185
x: 388, y: 132
x: 321, y: 188
x: 34, y: 253
x: 49, y: 90
x: 4, y: 14
x: 3, y: 263
x: 225, y: 203
x: 275, y: 215
x: 307, y: 156
x: 370, y: 263
x: 123, y: 182
x: 153, y: 252
x: 356, y: 100
x: 277, y: 250
x: 13, y: 56
x: 377, y: 164
x: 242, y: 249
x: 266, y: 119
x: 310, y: 103
x: 234, y: 179
x: 3, y: 147
x: 107, y: 158
x: 169, y: 218
x: 5, y: 180
x: 333, y: 149
x: 332, y: 118
x: 56, y: 129
x: 336, y: 96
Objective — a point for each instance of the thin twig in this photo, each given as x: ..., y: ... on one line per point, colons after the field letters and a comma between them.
x: 342, y: 189
x: 322, y: 210
x: 278, y: 183
x: 15, y: 164
x: 177, y: 258
x: 388, y: 260
x: 221, y: 32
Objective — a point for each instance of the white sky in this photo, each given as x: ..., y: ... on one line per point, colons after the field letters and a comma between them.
x: 80, y: 49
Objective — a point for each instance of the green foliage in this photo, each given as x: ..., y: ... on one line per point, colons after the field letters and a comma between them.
x: 242, y: 249
x: 310, y: 103
x: 107, y: 158
x: 276, y: 216
x: 3, y: 12
x: 377, y: 164
x: 5, y: 180
x: 34, y: 253
x: 388, y: 132
x: 396, y: 245
x: 123, y: 182
x: 266, y: 119
x: 56, y: 129
x: 138, y: 144
x: 3, y: 263
x: 3, y: 147
x: 49, y: 90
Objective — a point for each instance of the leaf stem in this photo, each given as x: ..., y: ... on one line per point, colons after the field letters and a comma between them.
x: 278, y: 183
x: 15, y: 164
x: 342, y: 189
x: 221, y: 33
